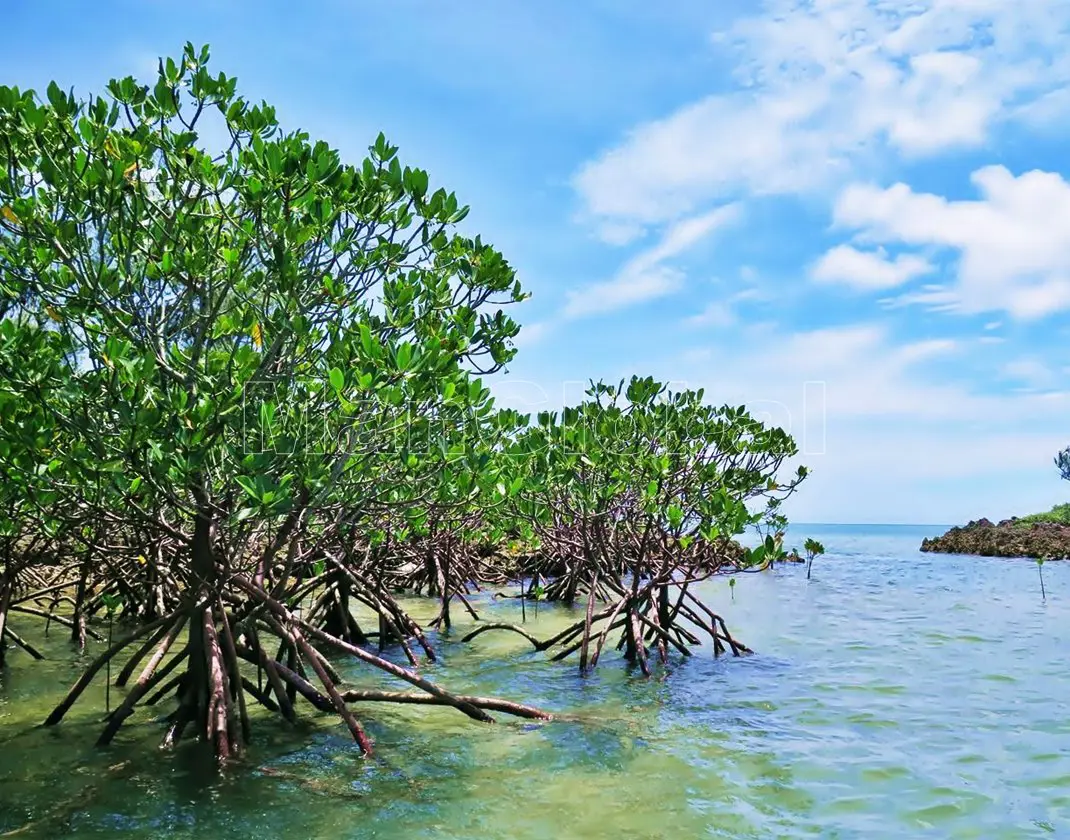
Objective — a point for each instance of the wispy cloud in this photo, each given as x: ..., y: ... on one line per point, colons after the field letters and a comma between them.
x: 829, y: 87
x: 878, y: 420
x: 533, y: 333
x: 646, y: 276
x: 868, y: 375
x: 716, y: 314
x: 1031, y: 372
x: 629, y: 287
x: 723, y: 313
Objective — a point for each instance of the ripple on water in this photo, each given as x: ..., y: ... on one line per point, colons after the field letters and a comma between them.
x: 893, y: 695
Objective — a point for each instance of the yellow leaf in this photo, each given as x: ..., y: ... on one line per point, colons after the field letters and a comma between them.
x: 128, y: 173
x: 107, y: 361
x: 9, y: 214
x: 258, y: 337
x: 141, y: 559
x: 109, y: 147
x: 53, y: 314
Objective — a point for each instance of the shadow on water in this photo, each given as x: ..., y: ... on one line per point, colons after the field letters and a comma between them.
x: 893, y: 695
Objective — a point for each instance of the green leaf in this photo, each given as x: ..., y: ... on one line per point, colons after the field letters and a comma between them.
x: 337, y: 379
x: 248, y: 486
x: 675, y: 515
x: 367, y: 342
x: 56, y: 98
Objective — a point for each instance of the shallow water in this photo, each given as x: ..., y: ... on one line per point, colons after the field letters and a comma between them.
x: 896, y: 694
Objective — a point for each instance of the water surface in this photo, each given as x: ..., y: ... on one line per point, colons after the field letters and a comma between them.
x: 896, y: 694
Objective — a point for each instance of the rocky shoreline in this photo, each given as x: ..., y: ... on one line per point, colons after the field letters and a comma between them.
x: 1009, y: 538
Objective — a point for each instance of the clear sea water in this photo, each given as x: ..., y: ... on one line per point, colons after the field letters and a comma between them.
x: 894, y: 695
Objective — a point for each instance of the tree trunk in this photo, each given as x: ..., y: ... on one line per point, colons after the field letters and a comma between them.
x: 207, y: 699
x: 6, y: 585
x: 78, y: 628
x: 664, y: 609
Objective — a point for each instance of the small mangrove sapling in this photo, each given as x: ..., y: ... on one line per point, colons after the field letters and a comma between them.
x: 812, y: 548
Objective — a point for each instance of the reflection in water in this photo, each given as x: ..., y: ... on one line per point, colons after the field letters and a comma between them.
x: 894, y: 695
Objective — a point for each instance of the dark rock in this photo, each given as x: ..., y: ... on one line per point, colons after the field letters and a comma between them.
x: 1010, y: 538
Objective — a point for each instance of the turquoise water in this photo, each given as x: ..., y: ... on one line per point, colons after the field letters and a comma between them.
x: 896, y: 694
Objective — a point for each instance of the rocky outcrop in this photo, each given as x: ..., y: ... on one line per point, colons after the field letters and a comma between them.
x: 1009, y: 538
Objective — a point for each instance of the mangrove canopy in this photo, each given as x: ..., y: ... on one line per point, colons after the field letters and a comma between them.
x: 243, y: 409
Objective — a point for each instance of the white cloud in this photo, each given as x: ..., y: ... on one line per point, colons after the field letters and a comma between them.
x: 921, y: 350
x: 722, y: 313
x: 1013, y: 243
x: 1045, y: 112
x: 826, y: 86
x: 865, y: 374
x: 533, y: 333
x: 883, y: 424
x: 929, y: 476
x: 629, y: 287
x: 868, y: 379
x: 867, y: 270
x: 687, y: 233
x: 829, y: 96
x: 645, y: 276
x: 716, y: 314
x: 1030, y: 372
x: 749, y: 294
x: 619, y: 233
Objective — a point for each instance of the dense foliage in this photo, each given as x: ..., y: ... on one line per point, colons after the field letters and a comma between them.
x: 634, y: 495
x: 1058, y: 515
x: 240, y: 406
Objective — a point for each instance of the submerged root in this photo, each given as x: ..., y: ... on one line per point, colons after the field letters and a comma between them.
x: 211, y: 689
x: 491, y: 703
x: 644, y: 618
x: 505, y: 626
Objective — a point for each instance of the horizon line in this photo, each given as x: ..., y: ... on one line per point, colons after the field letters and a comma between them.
x: 879, y: 524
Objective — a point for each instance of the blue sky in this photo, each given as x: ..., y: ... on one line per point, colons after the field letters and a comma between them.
x: 852, y: 217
